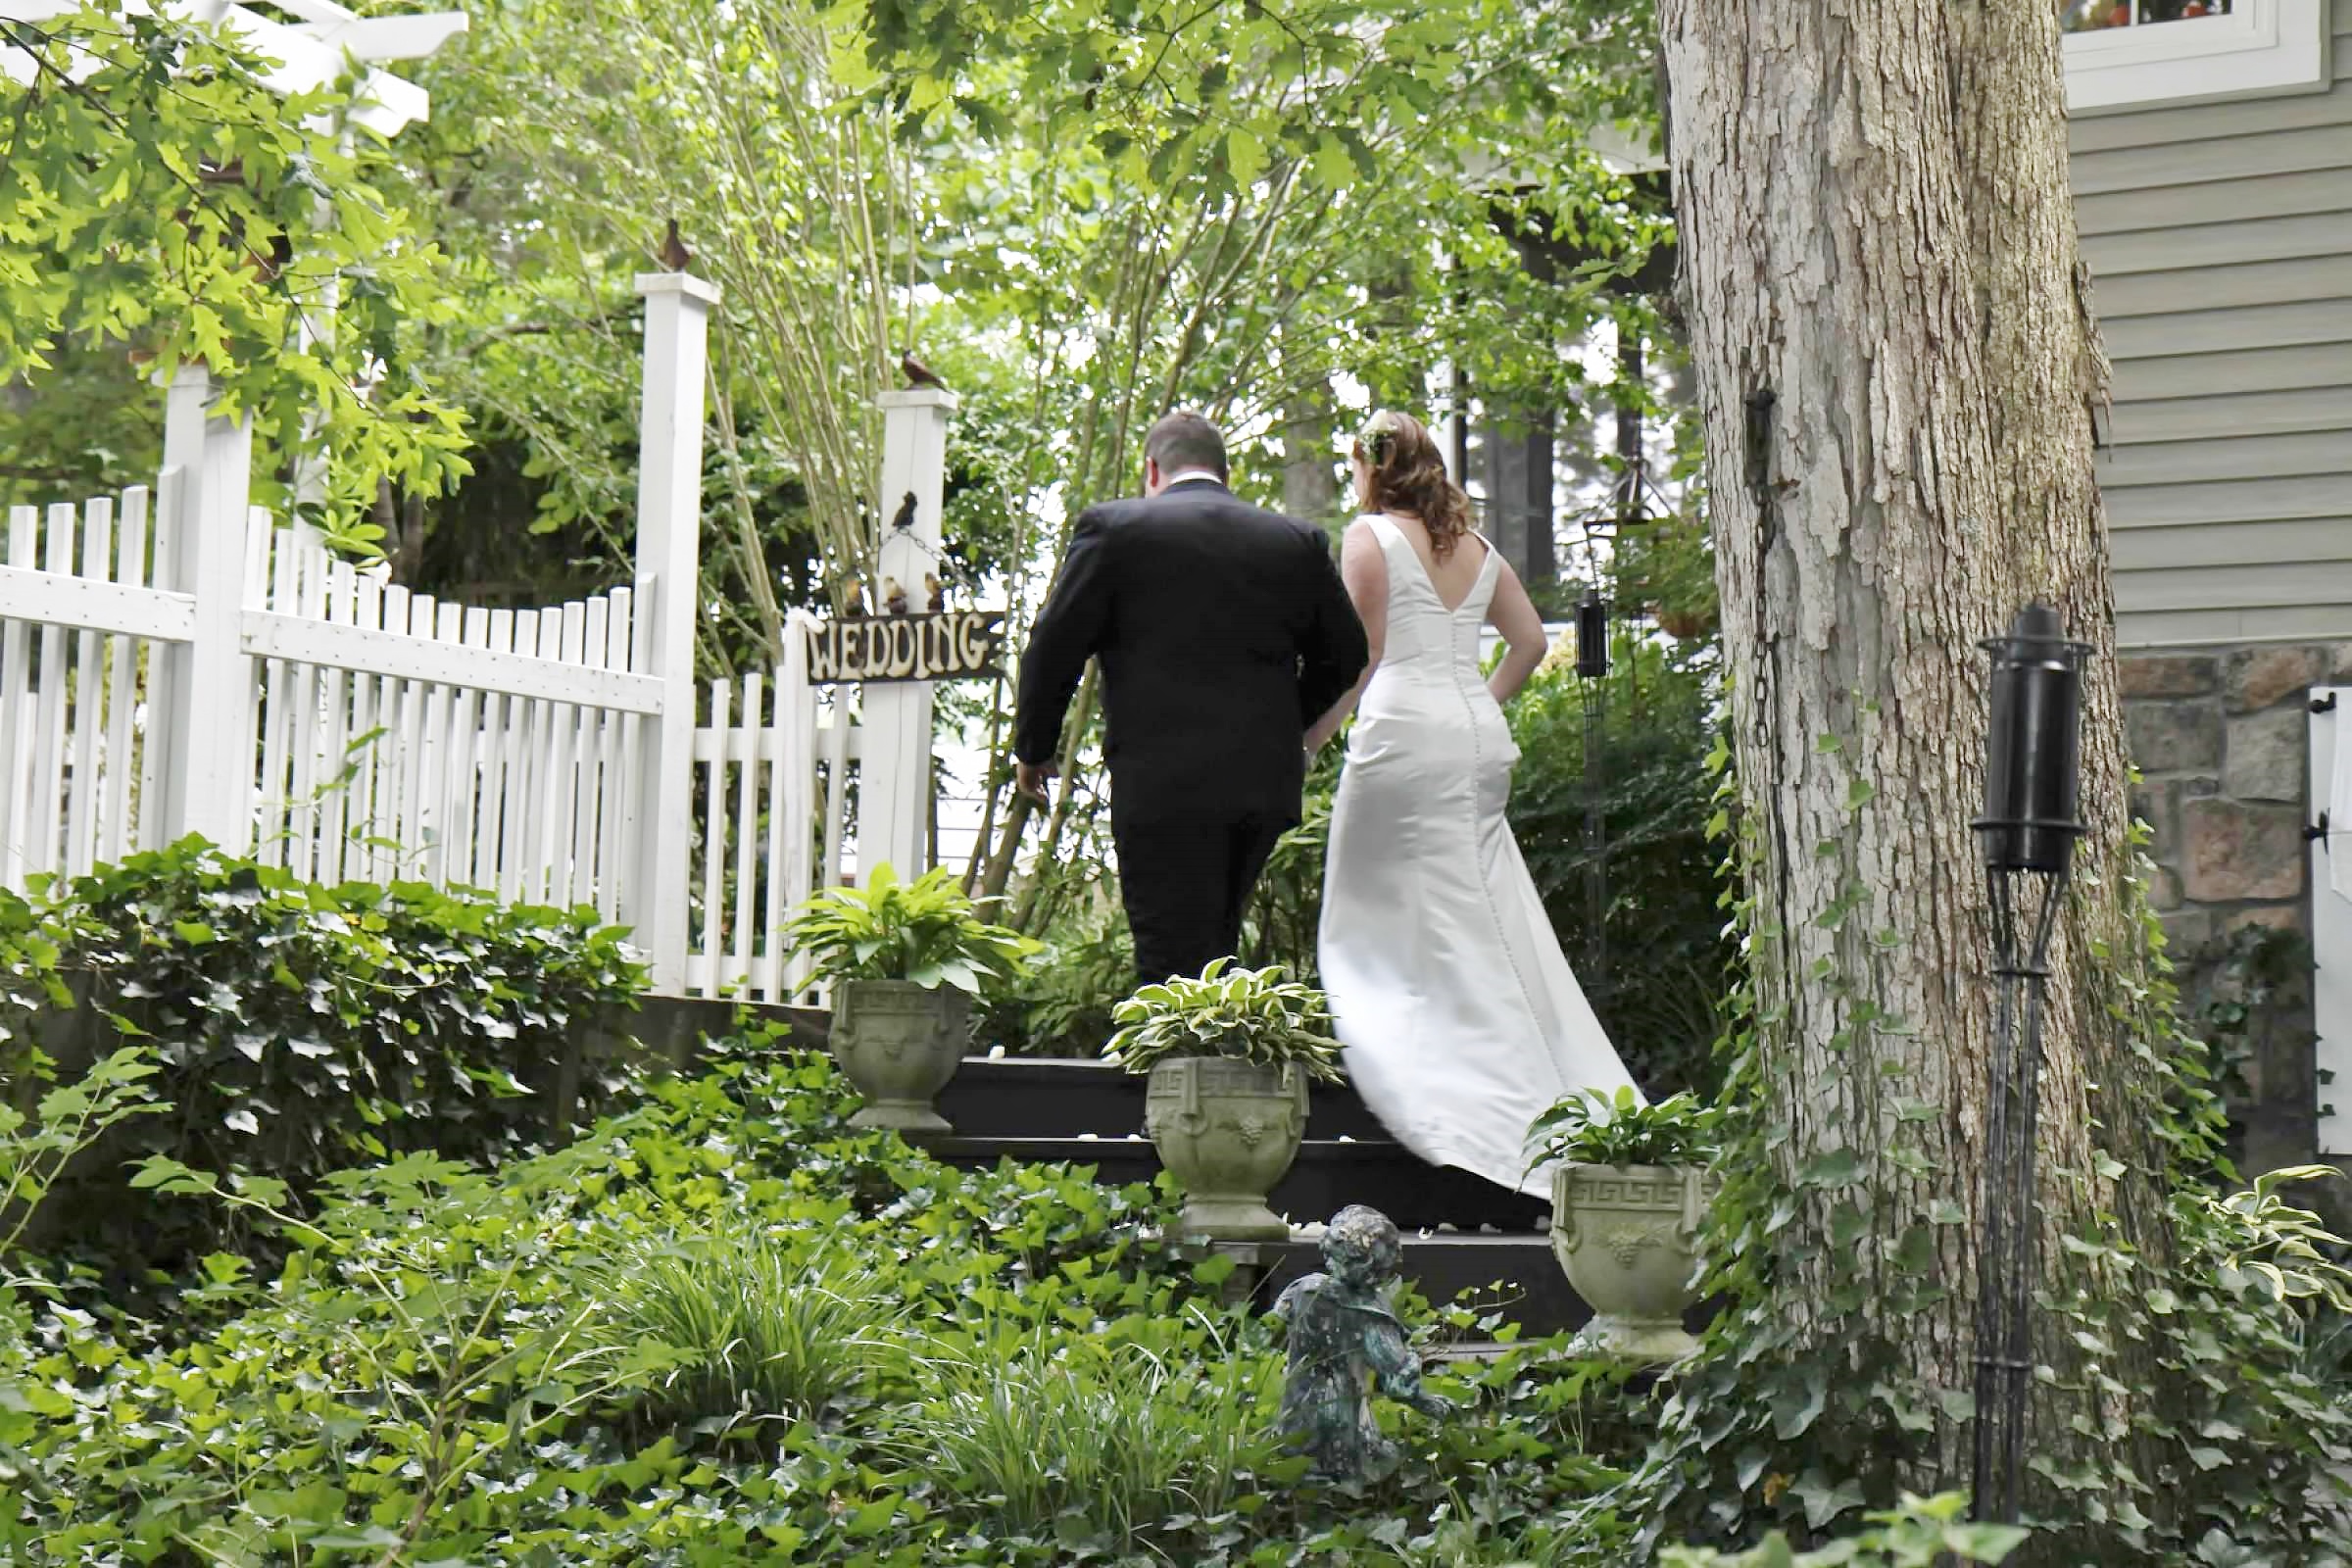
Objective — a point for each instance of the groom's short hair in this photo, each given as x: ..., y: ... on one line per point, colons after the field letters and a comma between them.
x: 1183, y: 440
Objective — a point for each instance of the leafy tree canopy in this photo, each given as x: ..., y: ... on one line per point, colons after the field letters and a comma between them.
x: 158, y: 198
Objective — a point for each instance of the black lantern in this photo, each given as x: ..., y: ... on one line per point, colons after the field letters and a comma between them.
x: 1591, y: 636
x: 2032, y: 754
x: 1593, y: 668
x: 2027, y: 832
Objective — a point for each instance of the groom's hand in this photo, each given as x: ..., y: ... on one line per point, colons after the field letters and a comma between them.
x: 1030, y: 779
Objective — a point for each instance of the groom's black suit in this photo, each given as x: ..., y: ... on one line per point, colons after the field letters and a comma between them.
x: 1223, y: 631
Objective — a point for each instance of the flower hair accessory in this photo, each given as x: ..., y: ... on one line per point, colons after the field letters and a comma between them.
x: 1377, y: 430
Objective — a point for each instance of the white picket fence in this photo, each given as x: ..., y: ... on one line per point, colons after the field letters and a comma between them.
x: 175, y: 662
x: 396, y: 737
x: 404, y: 737
x: 73, y: 685
x: 772, y: 764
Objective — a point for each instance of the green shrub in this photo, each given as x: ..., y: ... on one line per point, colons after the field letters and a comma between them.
x: 1922, y: 1533
x: 1061, y: 1005
x: 297, y: 1029
x: 1104, y: 1435
x: 448, y: 1369
x: 746, y: 1327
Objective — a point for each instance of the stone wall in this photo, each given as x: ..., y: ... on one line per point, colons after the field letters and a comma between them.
x: 2221, y: 737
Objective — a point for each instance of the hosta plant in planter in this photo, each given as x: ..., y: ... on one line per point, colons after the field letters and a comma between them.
x: 903, y: 959
x: 1629, y: 1188
x: 1229, y: 1054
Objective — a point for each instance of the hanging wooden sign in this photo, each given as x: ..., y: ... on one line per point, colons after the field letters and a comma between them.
x: 946, y: 644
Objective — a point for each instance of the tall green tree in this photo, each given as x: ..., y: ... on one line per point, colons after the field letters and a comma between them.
x: 1899, y: 369
x: 1231, y: 208
x: 161, y: 204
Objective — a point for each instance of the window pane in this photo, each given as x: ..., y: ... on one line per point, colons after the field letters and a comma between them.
x: 2088, y: 16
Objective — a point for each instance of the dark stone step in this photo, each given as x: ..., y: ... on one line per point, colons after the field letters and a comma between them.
x: 1043, y: 1097
x: 1037, y: 1108
x: 1328, y: 1175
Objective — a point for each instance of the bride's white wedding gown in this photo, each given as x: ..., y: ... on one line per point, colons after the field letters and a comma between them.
x: 1461, y: 1020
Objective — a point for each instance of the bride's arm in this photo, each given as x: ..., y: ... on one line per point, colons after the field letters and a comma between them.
x: 1366, y: 576
x: 1514, y: 615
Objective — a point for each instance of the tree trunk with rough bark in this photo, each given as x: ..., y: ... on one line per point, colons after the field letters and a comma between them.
x: 1900, y: 374
x: 1310, y: 470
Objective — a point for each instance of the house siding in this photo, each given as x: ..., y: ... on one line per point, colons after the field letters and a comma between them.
x: 2220, y: 243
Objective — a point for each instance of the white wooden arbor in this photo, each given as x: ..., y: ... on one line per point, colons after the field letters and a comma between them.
x: 310, y: 53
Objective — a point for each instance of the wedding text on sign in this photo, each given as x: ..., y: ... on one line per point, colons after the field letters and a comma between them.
x: 953, y: 645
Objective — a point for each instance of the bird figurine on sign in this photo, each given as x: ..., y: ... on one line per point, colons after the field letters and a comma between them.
x: 673, y: 253
x: 854, y: 603
x: 894, y: 597
x: 904, y: 519
x: 918, y: 373
x: 937, y: 595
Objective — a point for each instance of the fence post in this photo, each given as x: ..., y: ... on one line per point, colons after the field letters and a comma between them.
x: 894, y: 769
x: 207, y: 772
x: 669, y: 507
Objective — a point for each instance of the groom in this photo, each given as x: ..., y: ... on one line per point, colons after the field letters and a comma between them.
x: 1223, y: 632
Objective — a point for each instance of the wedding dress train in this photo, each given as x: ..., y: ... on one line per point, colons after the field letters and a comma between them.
x: 1461, y: 1017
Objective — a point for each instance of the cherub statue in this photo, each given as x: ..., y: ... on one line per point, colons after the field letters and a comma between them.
x: 1346, y: 1342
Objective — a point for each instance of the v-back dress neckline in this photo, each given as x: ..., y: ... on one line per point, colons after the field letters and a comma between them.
x: 1486, y: 562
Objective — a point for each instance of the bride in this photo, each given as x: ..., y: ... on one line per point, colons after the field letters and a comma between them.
x: 1461, y: 1020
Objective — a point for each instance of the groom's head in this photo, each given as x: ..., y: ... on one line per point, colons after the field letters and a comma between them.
x: 1181, y: 443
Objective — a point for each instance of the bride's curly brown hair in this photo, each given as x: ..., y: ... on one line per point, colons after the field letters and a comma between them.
x: 1408, y: 474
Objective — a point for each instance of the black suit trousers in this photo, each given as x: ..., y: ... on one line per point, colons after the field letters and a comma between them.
x: 1185, y: 885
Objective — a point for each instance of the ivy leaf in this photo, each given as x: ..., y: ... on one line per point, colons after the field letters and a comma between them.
x: 1795, y: 1410
x: 1823, y: 1500
x: 1982, y: 1543
x: 1838, y: 1167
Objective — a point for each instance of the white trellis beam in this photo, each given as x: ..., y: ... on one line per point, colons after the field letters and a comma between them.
x: 310, y: 54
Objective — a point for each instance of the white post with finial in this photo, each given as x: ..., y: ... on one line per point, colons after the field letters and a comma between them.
x: 894, y: 726
x: 668, y: 603
x: 205, y: 777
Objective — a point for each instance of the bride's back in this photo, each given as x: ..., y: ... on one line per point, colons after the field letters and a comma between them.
x: 1455, y: 576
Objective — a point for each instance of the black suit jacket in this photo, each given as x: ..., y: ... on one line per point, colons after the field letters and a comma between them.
x: 1223, y: 632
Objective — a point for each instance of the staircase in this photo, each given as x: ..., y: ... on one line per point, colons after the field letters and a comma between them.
x: 1461, y: 1234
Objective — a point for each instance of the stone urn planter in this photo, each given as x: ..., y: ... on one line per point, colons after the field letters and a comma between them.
x: 903, y: 959
x: 1228, y: 1131
x: 1626, y: 1237
x: 900, y: 1042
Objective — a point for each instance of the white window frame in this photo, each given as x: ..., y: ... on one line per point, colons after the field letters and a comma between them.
x: 2330, y: 924
x: 2262, y: 46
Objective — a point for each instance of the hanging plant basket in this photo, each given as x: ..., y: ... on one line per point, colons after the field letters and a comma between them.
x: 1689, y: 625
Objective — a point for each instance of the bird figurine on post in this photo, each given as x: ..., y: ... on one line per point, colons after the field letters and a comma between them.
x: 937, y: 595
x: 918, y: 373
x: 894, y: 597
x: 905, y: 513
x: 673, y: 253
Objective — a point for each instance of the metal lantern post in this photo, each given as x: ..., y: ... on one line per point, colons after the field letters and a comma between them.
x: 1593, y: 668
x: 2028, y: 834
